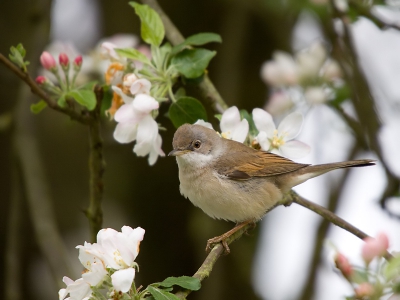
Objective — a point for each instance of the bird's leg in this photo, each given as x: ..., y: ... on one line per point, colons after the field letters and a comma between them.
x: 222, y: 238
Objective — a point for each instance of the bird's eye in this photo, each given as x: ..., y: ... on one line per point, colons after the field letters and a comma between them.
x: 197, y: 144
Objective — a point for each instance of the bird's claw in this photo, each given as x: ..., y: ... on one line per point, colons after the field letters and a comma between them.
x: 219, y: 239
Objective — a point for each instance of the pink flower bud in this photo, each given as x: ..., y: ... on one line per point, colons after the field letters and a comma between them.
x: 40, y: 80
x: 63, y: 59
x: 365, y: 289
x: 78, y: 61
x: 47, y: 60
x: 374, y: 247
x: 342, y: 263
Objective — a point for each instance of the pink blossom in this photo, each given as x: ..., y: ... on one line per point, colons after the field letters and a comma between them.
x: 365, y: 289
x: 63, y: 59
x: 374, y: 247
x: 342, y: 263
x: 40, y: 80
x: 78, y: 61
x: 47, y: 60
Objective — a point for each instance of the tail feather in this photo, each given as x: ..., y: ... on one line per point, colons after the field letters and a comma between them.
x: 312, y: 171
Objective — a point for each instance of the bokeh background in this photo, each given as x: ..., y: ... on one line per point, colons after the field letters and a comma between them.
x: 44, y: 158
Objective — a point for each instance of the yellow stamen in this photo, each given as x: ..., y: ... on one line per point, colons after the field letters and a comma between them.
x: 112, y: 69
x: 116, y: 103
x: 277, y: 141
x: 226, y: 135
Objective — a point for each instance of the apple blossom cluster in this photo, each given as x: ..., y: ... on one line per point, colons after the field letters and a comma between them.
x: 309, y: 77
x: 108, y: 263
x: 373, y: 281
x: 269, y: 138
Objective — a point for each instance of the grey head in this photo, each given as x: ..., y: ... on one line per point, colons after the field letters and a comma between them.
x: 194, y: 139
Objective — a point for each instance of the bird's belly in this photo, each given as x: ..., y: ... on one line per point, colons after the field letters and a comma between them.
x: 222, y: 198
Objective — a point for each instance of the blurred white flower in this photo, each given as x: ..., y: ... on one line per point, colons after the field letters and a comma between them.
x: 310, y: 61
x: 280, y: 141
x: 278, y: 103
x: 315, y: 95
x: 136, y: 85
x: 77, y: 290
x: 135, y: 122
x: 232, y: 127
x: 331, y: 70
x: 91, y: 257
x: 282, y: 70
x: 341, y: 5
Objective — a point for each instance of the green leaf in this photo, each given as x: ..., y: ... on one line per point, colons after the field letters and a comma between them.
x: 359, y: 276
x: 133, y: 54
x: 38, y: 107
x: 392, y: 268
x: 186, y: 110
x: 152, y: 28
x: 186, y: 282
x: 192, y: 63
x: 21, y: 50
x: 159, y: 294
x: 252, y: 126
x: 181, y: 92
x: 107, y: 99
x: 197, y: 40
x: 61, y: 102
x: 88, y: 86
x: 86, y: 98
x: 218, y: 116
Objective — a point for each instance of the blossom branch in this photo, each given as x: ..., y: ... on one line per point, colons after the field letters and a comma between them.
x: 96, y: 168
x: 331, y: 217
x: 206, y: 87
x: 39, y: 92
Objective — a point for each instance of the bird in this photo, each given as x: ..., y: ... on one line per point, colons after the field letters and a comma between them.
x: 231, y: 181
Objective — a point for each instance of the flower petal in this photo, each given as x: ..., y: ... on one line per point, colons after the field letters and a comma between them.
x: 203, y: 123
x: 146, y: 134
x: 96, y: 275
x: 156, y: 151
x: 291, y: 125
x: 124, y: 97
x: 140, y: 86
x: 294, y: 149
x: 263, y: 141
x: 230, y: 118
x: 240, y: 132
x: 79, y: 289
x: 125, y: 132
x: 122, y: 279
x: 263, y: 121
x: 145, y: 104
x: 62, y: 293
x: 126, y: 113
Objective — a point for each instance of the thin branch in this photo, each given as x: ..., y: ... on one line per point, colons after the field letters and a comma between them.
x: 206, y: 87
x: 206, y: 267
x: 39, y: 92
x: 96, y: 168
x: 331, y: 217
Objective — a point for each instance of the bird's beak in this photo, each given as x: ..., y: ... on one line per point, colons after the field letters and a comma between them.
x: 178, y: 152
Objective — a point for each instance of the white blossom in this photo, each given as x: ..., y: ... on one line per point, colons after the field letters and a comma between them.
x: 315, y: 95
x: 77, y: 290
x: 135, y: 122
x: 232, y: 127
x: 280, y: 141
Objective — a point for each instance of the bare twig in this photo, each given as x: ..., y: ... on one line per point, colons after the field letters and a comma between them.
x: 331, y: 217
x: 206, y: 87
x: 39, y: 92
x: 96, y: 168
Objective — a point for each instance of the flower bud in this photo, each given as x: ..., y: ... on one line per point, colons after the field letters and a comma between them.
x: 78, y: 61
x: 315, y: 95
x: 342, y: 263
x: 127, y: 82
x: 40, y: 80
x: 47, y: 60
x: 364, y: 290
x: 64, y: 60
x: 374, y: 247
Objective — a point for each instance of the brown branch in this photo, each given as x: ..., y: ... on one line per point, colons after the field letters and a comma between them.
x: 331, y: 217
x: 206, y: 87
x: 96, y: 168
x: 39, y: 92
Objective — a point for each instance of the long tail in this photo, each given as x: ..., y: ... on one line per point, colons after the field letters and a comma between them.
x: 312, y: 171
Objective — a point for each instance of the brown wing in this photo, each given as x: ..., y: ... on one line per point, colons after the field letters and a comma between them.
x: 248, y: 163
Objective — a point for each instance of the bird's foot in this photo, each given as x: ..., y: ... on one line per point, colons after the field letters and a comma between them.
x: 222, y: 238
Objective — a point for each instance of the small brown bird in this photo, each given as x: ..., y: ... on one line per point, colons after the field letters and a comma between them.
x: 231, y: 181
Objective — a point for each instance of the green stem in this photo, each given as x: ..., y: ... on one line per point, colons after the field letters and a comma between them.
x: 96, y: 169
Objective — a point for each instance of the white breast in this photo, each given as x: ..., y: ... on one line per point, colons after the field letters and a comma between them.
x: 222, y: 198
